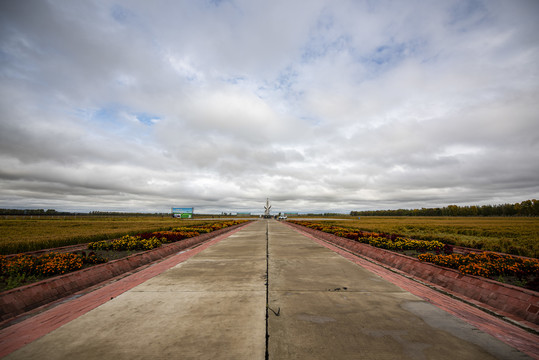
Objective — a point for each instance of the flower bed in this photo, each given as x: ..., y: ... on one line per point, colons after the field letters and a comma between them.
x: 385, y: 241
x: 486, y: 264
x: 23, y: 269
x: 127, y: 242
x: 44, y: 265
x: 26, y: 268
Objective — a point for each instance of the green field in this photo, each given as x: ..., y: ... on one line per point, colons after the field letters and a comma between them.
x: 513, y: 235
x: 24, y: 234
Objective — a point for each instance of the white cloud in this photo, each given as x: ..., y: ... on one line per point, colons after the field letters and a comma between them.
x: 318, y: 105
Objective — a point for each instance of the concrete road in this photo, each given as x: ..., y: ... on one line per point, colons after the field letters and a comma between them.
x: 331, y: 308
x: 214, y: 306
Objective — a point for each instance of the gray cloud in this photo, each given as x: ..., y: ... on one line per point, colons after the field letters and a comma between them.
x: 131, y: 105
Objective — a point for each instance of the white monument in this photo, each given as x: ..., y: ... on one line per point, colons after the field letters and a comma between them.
x: 267, y: 209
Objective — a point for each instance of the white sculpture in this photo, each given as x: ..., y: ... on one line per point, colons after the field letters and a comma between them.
x: 267, y: 209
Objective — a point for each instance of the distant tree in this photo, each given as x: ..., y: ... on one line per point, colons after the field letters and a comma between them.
x: 524, y: 208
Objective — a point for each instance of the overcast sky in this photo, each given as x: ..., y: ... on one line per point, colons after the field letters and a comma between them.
x: 319, y: 105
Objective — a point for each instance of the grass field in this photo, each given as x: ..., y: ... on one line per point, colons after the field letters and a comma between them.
x: 20, y: 235
x: 513, y: 235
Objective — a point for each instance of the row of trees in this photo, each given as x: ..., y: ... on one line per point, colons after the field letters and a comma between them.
x: 52, y: 212
x: 120, y: 213
x: 32, y: 212
x: 525, y: 208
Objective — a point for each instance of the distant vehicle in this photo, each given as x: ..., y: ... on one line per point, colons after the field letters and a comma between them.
x: 282, y: 217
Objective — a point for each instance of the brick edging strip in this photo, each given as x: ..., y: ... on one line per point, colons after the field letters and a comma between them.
x: 25, y: 298
x: 519, y: 302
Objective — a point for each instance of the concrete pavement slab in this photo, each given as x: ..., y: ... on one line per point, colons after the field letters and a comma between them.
x: 330, y: 308
x: 211, y: 275
x: 161, y: 325
x: 364, y: 325
x: 297, y: 274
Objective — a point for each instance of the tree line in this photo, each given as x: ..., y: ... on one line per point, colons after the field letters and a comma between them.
x: 52, y: 212
x: 33, y: 212
x: 524, y: 208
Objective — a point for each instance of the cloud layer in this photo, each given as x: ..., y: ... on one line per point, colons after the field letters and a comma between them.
x: 318, y: 105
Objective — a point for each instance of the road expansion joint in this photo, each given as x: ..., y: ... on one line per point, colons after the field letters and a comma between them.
x: 267, y: 291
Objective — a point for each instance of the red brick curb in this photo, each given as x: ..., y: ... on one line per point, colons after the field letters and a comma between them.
x: 519, y: 303
x: 25, y: 298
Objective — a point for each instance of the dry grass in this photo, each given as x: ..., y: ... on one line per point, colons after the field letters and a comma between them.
x: 20, y: 235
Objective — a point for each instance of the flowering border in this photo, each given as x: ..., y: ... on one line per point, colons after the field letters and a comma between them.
x: 485, y: 264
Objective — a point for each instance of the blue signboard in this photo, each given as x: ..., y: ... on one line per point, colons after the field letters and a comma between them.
x: 184, y: 213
